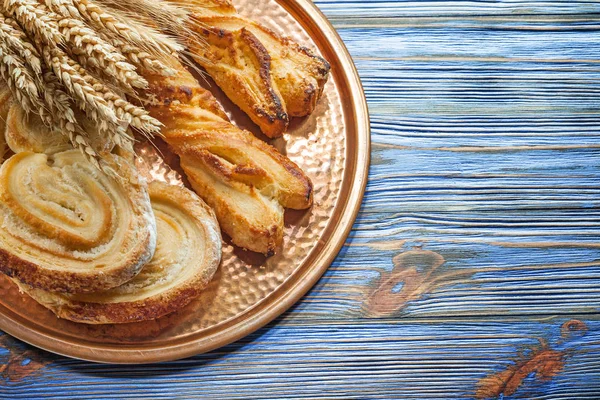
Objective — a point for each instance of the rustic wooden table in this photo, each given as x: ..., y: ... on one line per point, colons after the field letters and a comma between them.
x: 473, y: 270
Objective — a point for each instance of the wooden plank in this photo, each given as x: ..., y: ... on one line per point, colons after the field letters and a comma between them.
x: 495, y: 44
x: 481, y: 89
x: 433, y: 359
x: 356, y: 9
x: 410, y: 273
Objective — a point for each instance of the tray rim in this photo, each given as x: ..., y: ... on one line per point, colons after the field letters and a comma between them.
x: 259, y: 315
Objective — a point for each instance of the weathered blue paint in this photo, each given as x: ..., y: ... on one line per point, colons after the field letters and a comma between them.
x: 429, y: 359
x: 481, y: 219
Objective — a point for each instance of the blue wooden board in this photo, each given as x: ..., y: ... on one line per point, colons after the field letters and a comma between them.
x: 429, y: 359
x: 473, y: 270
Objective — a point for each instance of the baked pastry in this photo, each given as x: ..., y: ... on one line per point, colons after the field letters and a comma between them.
x: 25, y: 132
x: 271, y: 78
x: 246, y: 181
x: 67, y: 227
x: 187, y: 255
x: 28, y: 133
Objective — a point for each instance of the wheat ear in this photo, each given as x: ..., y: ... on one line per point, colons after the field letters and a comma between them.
x: 34, y: 19
x: 52, y: 29
x: 142, y: 16
x: 92, y: 51
x: 54, y: 98
x: 18, y: 41
x: 66, y: 120
x: 124, y: 110
x: 140, y: 58
x: 143, y: 36
x: 19, y: 79
x: 87, y: 98
x: 148, y: 44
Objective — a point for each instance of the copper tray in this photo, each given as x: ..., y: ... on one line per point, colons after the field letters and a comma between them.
x: 248, y: 291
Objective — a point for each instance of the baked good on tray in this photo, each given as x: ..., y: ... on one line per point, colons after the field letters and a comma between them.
x: 188, y: 252
x: 65, y: 226
x: 246, y: 181
x: 270, y: 77
x: 27, y: 133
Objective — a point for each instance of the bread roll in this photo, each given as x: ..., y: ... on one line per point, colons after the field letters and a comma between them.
x: 67, y: 227
x: 187, y: 255
x: 28, y: 133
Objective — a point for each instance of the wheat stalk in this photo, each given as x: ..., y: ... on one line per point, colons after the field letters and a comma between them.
x: 83, y: 93
x: 11, y: 34
x: 125, y: 39
x: 124, y: 110
x: 64, y: 7
x: 144, y: 17
x: 34, y: 20
x: 132, y: 31
x: 91, y: 50
x: 62, y: 56
x: 140, y: 58
x: 69, y: 126
x: 90, y: 95
x: 83, y: 42
x: 19, y: 79
x: 139, y: 44
x: 54, y: 98
x: 53, y: 108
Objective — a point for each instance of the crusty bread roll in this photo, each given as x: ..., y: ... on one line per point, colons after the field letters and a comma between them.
x: 66, y: 226
x: 271, y: 78
x: 246, y: 181
x: 187, y: 255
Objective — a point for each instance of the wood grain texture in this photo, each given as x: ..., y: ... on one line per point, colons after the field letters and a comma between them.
x: 430, y: 359
x: 473, y: 270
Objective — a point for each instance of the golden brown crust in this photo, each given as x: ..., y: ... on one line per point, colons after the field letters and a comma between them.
x: 268, y: 76
x: 252, y: 220
x: 69, y: 281
x: 245, y: 180
x: 241, y: 66
x: 27, y: 133
x: 299, y: 73
x: 245, y: 159
x: 135, y: 301
x: 107, y: 313
x: 64, y: 259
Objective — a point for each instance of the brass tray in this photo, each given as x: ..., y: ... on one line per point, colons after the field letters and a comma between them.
x: 332, y: 146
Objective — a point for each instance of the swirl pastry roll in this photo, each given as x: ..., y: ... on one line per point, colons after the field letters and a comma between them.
x: 67, y: 227
x: 187, y: 255
x: 28, y: 133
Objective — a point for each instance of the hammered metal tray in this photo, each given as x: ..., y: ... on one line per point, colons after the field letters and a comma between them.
x: 248, y: 290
